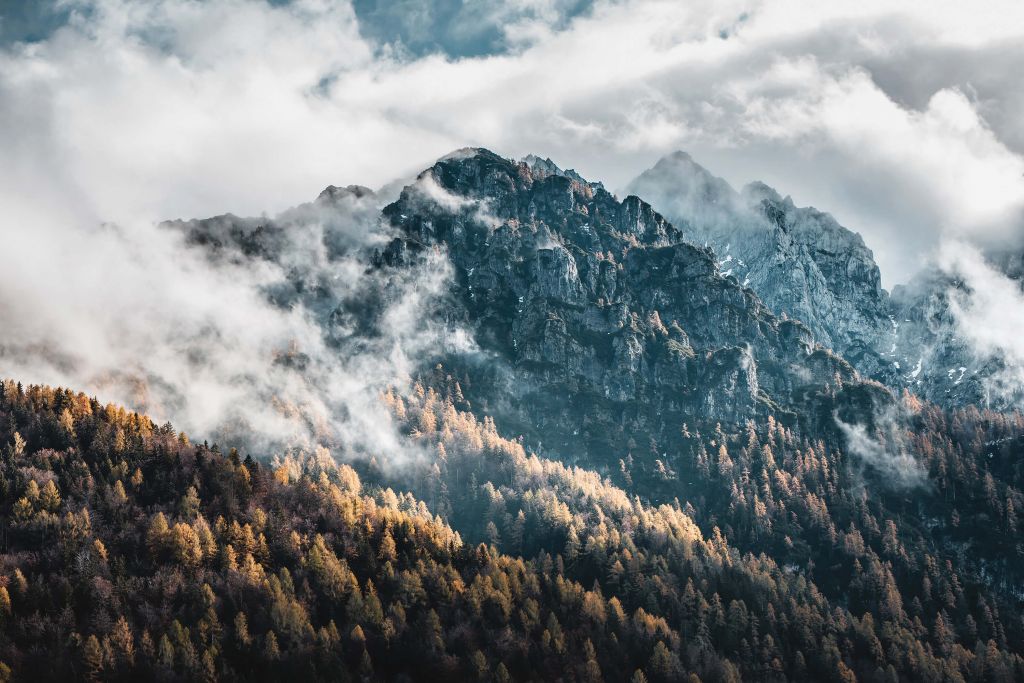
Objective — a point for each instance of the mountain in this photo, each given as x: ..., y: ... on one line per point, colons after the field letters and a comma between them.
x: 613, y: 461
x: 800, y: 261
x: 803, y: 263
x: 601, y: 312
x: 934, y: 344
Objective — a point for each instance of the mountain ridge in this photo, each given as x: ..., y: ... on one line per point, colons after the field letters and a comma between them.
x: 612, y: 358
x: 803, y: 262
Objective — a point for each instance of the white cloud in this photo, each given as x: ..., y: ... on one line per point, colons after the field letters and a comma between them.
x: 169, y: 107
x: 989, y: 314
x: 143, y: 111
x: 133, y: 314
x: 885, y: 449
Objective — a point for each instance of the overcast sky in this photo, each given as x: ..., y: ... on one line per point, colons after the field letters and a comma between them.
x: 903, y: 121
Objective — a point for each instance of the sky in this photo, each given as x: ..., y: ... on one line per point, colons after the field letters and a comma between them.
x: 901, y: 119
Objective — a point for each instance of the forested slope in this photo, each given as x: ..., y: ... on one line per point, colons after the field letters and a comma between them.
x: 131, y: 552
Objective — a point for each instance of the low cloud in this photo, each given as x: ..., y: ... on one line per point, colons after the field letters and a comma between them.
x: 988, y: 309
x: 266, y: 353
x: 884, y: 448
x: 427, y: 187
x: 137, y: 112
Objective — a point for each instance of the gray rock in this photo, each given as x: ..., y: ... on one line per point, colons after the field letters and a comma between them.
x: 800, y: 261
x: 601, y: 309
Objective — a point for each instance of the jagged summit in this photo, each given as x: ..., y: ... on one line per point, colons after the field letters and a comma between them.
x: 466, y: 153
x: 546, y: 166
x: 757, y: 191
x: 800, y: 261
x: 688, y: 177
x: 536, y: 166
x: 560, y: 203
x: 332, y: 193
x: 600, y: 306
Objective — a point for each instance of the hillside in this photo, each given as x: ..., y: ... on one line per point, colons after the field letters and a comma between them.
x: 131, y: 552
x: 610, y: 461
x: 802, y: 262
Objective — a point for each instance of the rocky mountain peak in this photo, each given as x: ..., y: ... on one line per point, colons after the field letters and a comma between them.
x: 755, y: 192
x: 696, y: 194
x: 799, y: 260
x: 546, y: 167
x: 598, y: 308
x: 484, y: 189
x: 332, y: 193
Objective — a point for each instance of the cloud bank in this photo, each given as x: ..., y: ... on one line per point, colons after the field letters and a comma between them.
x: 899, y: 119
x: 885, y: 450
x: 230, y: 347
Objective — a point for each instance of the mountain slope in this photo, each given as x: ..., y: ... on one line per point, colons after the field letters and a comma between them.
x: 800, y: 261
x: 132, y: 553
x: 601, y: 311
x: 634, y: 373
x: 941, y: 348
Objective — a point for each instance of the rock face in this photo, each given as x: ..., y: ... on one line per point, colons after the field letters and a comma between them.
x: 925, y: 355
x: 931, y: 356
x: 800, y: 261
x: 803, y: 263
x: 602, y: 314
x: 599, y: 328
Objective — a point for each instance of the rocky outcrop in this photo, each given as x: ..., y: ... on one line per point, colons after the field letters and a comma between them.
x: 601, y: 311
x: 800, y: 261
x: 929, y: 353
x: 599, y: 327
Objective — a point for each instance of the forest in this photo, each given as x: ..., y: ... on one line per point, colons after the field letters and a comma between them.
x: 132, y: 552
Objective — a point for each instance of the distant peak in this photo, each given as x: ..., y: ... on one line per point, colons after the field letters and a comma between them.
x: 546, y: 167
x: 756, y: 191
x: 678, y: 159
x: 466, y: 153
x: 678, y: 175
x: 334, y: 193
x: 679, y: 155
x: 680, y: 166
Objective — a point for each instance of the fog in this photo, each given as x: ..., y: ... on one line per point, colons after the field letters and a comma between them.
x: 131, y: 113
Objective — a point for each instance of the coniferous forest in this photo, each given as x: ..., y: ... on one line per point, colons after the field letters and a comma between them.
x: 132, y: 552
x: 315, y: 366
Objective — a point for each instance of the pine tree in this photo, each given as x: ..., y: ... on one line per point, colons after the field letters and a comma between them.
x: 242, y: 636
x: 156, y: 536
x: 165, y: 653
x: 49, y: 497
x: 271, y: 652
x: 92, y: 658
x: 123, y: 642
